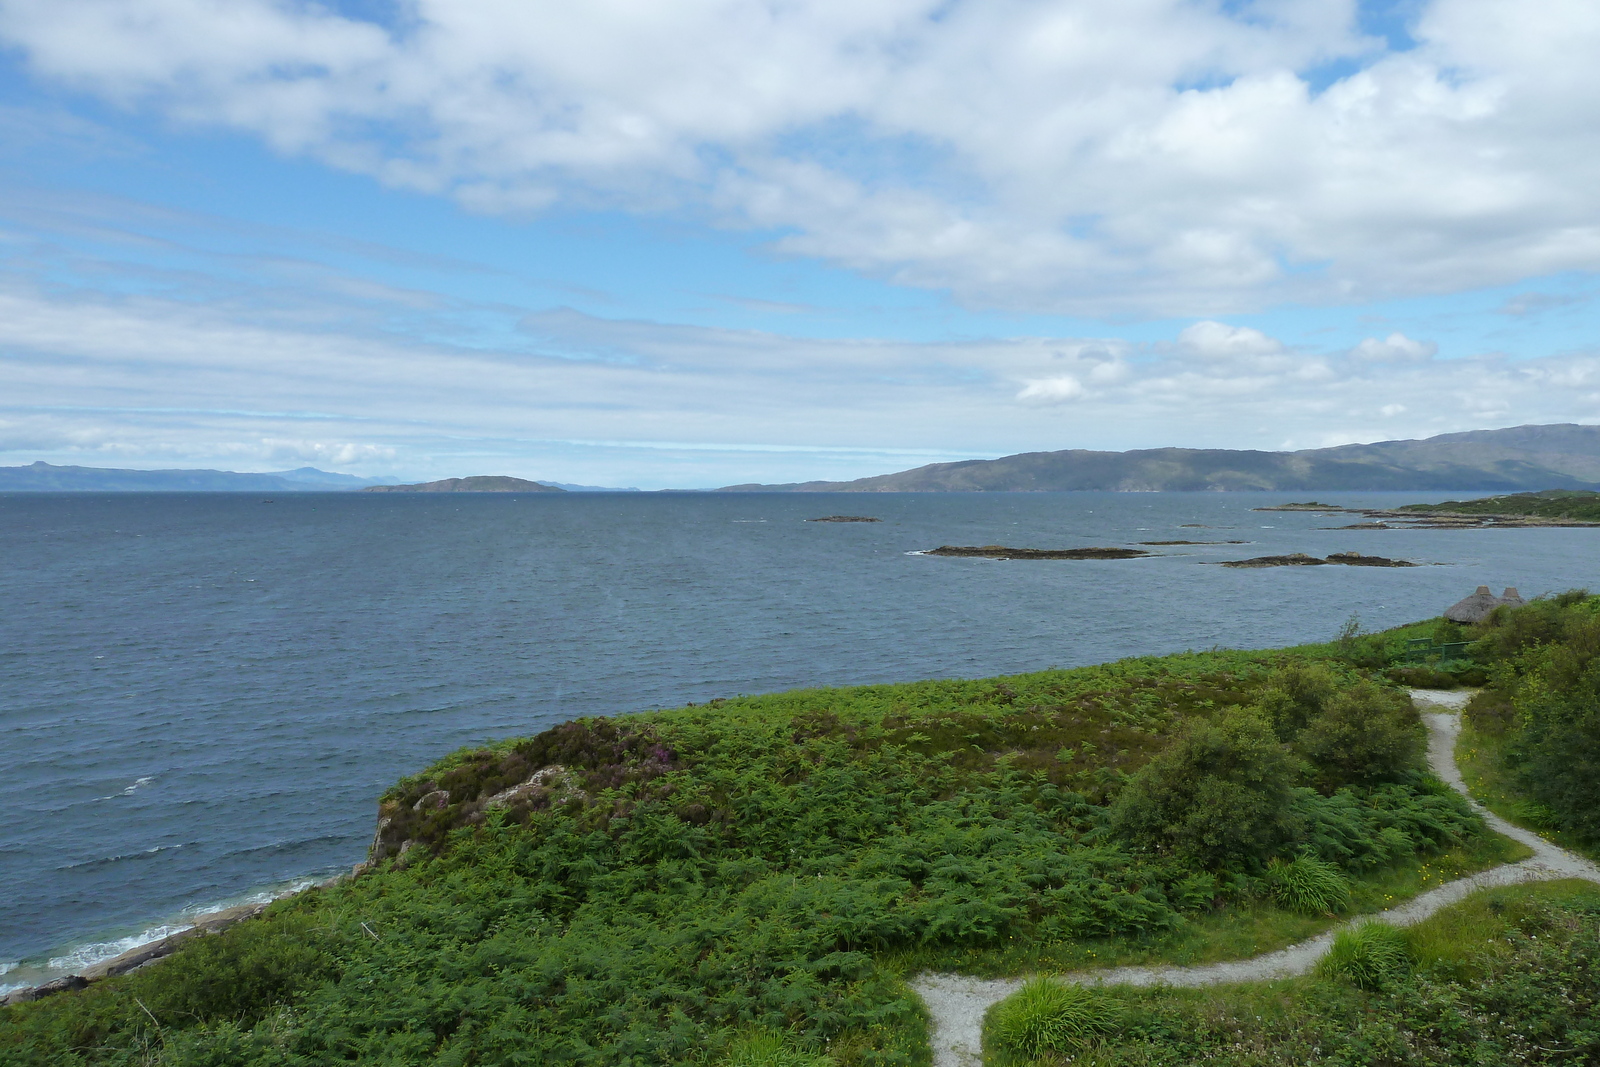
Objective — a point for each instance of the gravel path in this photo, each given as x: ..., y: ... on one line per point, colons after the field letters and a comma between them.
x: 957, y: 1004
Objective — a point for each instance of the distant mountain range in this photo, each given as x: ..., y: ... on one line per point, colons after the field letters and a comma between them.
x: 1561, y: 456
x: 48, y: 478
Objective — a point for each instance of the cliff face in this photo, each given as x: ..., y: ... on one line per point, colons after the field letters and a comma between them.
x: 1523, y: 457
x: 489, y: 483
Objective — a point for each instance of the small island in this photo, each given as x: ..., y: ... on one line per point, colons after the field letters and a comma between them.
x: 1301, y: 559
x: 481, y: 483
x: 1552, y: 507
x: 845, y: 518
x: 1002, y: 552
x: 1194, y: 542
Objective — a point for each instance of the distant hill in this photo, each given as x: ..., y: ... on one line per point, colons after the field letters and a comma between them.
x: 49, y: 478
x: 1561, y: 456
x: 483, y: 483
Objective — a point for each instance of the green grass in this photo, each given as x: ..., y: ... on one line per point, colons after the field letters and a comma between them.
x: 1371, y: 956
x: 1238, y: 931
x: 1308, y: 886
x: 1481, y: 757
x: 1508, y: 975
x: 1046, y: 1016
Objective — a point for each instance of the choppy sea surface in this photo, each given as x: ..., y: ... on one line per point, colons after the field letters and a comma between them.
x: 202, y: 696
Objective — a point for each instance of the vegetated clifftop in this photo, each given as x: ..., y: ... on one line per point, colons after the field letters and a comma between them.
x: 1563, y: 456
x: 483, y: 483
x: 681, y: 886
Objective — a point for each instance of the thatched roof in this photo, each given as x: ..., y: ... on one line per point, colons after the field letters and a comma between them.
x: 1480, y: 604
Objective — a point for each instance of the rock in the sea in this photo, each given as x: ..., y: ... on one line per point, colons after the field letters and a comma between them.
x: 1300, y: 559
x: 1293, y: 559
x: 1356, y: 559
x: 1002, y: 552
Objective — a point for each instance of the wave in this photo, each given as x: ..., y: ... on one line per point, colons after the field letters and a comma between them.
x: 102, y: 861
x: 128, y: 792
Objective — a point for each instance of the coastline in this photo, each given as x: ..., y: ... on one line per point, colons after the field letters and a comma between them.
x: 92, y: 960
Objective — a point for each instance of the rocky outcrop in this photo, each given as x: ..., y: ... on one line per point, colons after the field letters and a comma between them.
x: 567, y: 765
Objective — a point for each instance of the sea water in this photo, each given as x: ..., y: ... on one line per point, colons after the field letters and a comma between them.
x: 203, y: 695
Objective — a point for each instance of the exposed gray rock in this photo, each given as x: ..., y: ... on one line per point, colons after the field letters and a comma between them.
x: 551, y: 779
x: 433, y: 801
x: 38, y: 992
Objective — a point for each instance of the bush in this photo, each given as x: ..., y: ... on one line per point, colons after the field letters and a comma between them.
x: 1490, y: 712
x: 1295, y: 695
x: 1218, y: 797
x: 1366, y: 734
x: 1048, y: 1016
x: 1308, y: 885
x: 1423, y: 677
x: 1372, y: 956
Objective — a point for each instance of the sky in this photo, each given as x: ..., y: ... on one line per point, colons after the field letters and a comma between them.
x: 690, y: 243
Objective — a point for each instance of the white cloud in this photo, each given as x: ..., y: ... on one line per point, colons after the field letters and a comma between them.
x: 140, y: 380
x: 1216, y: 340
x: 1051, y: 390
x: 1396, y: 348
x: 1088, y: 155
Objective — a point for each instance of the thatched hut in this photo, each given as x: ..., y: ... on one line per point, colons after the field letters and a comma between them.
x: 1480, y: 603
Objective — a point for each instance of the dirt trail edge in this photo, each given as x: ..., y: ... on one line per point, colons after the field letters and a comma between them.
x: 957, y: 1004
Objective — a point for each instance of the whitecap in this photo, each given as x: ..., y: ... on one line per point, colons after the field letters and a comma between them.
x: 101, y: 861
x: 81, y: 956
x: 128, y: 792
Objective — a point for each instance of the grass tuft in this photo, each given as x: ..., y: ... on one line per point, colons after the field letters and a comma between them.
x: 1372, y: 956
x: 1048, y: 1016
x: 770, y: 1048
x: 1309, y: 886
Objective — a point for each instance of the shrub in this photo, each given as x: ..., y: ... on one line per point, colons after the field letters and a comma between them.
x: 1366, y: 734
x: 1423, y: 677
x: 1047, y: 1016
x: 1295, y: 695
x: 1308, y: 885
x: 1490, y: 712
x: 1218, y: 796
x: 1371, y: 956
